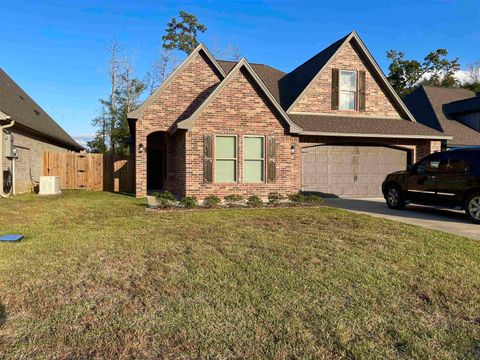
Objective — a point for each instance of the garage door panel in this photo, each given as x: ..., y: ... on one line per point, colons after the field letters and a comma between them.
x: 349, y: 171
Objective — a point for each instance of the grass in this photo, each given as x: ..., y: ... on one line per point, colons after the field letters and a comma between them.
x: 97, y: 277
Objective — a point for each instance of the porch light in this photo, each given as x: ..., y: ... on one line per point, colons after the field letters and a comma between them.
x: 292, y: 149
x: 141, y: 148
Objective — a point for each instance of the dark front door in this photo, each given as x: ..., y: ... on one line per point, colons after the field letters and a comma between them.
x: 422, y: 183
x: 154, y: 169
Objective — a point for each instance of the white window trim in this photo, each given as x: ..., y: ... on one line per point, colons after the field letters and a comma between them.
x: 262, y: 159
x: 355, y: 92
x: 235, y: 159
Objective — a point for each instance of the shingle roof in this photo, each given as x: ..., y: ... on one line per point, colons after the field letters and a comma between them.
x: 295, y: 81
x: 15, y: 103
x: 269, y: 75
x: 426, y: 104
x: 338, y: 125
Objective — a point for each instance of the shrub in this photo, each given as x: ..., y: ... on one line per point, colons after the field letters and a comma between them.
x: 296, y: 198
x: 211, y: 201
x: 189, y: 202
x: 254, y: 201
x: 313, y: 199
x: 274, y: 198
x: 233, y: 199
x: 165, y: 199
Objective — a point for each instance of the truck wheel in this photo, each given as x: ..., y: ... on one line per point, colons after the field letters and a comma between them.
x: 394, y: 197
x: 472, y: 207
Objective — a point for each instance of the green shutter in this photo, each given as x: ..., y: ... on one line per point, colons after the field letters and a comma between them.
x: 271, y: 161
x: 208, y: 158
x: 361, y: 90
x: 335, y: 89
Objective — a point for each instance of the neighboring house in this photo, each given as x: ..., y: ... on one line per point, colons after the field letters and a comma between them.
x: 333, y: 125
x: 34, y: 132
x: 454, y: 112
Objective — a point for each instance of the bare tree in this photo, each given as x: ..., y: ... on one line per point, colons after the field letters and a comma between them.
x: 473, y: 73
x: 114, y: 50
x: 162, y: 67
x: 230, y: 52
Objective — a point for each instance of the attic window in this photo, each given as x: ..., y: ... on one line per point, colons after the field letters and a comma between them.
x: 348, y: 90
x: 36, y: 112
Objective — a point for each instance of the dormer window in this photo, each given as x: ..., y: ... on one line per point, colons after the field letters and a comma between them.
x: 348, y: 90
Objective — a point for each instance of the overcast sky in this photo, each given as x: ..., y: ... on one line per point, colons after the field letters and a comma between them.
x: 55, y: 50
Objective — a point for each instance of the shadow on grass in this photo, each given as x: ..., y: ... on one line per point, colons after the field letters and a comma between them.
x: 3, y: 315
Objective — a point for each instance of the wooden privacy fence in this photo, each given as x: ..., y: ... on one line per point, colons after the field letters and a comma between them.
x: 90, y: 171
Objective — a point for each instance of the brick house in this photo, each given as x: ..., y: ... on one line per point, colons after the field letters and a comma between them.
x: 33, y: 132
x: 333, y: 125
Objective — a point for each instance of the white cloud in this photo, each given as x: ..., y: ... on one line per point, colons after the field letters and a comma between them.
x: 82, y: 139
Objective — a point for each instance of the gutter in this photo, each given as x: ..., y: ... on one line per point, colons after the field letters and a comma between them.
x: 388, y: 136
x: 4, y: 117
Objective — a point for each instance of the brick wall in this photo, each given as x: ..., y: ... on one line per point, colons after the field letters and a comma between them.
x: 241, y: 109
x: 29, y: 165
x: 317, y: 98
x: 176, y: 102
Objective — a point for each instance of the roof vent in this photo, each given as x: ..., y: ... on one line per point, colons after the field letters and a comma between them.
x: 21, y: 97
x: 36, y: 112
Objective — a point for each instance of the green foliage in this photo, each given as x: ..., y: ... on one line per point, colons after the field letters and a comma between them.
x: 182, y: 34
x: 254, y: 201
x: 233, y: 199
x: 211, y: 201
x: 189, y: 202
x: 274, y: 198
x: 436, y: 70
x: 312, y: 199
x: 296, y: 198
x: 165, y: 199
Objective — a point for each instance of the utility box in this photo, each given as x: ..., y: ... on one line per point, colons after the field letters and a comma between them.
x: 49, y: 185
x: 8, y: 147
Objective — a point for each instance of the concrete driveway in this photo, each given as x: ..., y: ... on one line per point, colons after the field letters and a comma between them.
x: 447, y: 220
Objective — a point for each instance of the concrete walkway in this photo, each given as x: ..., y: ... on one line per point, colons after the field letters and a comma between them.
x: 450, y: 221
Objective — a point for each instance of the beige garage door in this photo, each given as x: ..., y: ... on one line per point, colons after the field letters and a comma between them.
x: 349, y: 171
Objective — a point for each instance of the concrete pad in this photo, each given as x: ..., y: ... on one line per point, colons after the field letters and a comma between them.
x: 436, y: 218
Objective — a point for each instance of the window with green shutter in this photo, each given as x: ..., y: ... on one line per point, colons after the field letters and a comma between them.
x: 253, y: 159
x: 225, y: 159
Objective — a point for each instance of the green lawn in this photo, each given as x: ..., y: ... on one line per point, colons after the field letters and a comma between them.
x: 97, y: 276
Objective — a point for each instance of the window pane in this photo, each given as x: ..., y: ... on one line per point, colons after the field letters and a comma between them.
x: 225, y: 171
x: 225, y: 147
x: 348, y: 80
x: 253, y: 171
x: 253, y: 147
x: 347, y: 100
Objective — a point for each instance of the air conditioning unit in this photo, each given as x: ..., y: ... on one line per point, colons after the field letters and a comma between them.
x: 49, y: 185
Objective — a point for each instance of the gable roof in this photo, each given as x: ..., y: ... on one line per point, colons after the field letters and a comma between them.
x: 269, y: 75
x: 243, y: 63
x: 18, y: 106
x: 135, y: 114
x: 427, y: 102
x: 299, y: 80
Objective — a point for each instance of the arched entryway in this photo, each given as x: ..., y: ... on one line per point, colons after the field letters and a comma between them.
x: 350, y: 170
x: 156, y: 161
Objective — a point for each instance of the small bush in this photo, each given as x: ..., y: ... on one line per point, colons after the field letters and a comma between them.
x: 313, y: 200
x: 165, y: 199
x: 189, y: 202
x: 211, y: 201
x: 233, y: 199
x: 274, y: 198
x: 254, y: 201
x: 296, y: 198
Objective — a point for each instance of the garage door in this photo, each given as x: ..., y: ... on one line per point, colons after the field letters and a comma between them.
x: 349, y: 171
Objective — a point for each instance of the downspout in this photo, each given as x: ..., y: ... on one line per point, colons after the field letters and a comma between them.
x: 2, y: 193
